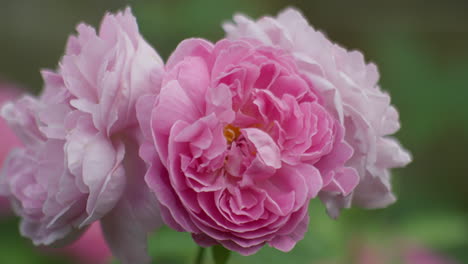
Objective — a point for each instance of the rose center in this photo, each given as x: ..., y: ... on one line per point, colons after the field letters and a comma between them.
x: 231, y: 133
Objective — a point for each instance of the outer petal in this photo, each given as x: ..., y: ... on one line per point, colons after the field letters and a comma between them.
x: 127, y: 226
x: 105, y: 183
x: 190, y: 48
x: 137, y: 214
x: 21, y: 118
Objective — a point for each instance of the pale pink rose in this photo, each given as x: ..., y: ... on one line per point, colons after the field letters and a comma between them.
x: 350, y: 92
x: 81, y: 160
x: 246, y: 142
x: 91, y: 247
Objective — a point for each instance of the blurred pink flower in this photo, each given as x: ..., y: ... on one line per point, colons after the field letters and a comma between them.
x: 422, y: 255
x: 247, y: 143
x: 90, y: 247
x: 350, y: 92
x: 395, y: 251
x: 81, y: 135
x: 366, y: 254
x: 8, y: 139
x: 369, y: 255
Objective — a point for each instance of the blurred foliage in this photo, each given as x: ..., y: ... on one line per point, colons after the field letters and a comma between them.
x: 17, y: 250
x: 421, y: 50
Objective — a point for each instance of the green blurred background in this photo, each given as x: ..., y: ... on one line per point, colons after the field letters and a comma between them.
x: 421, y: 48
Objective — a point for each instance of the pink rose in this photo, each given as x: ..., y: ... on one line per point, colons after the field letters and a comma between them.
x: 80, y: 163
x: 350, y: 92
x: 247, y: 142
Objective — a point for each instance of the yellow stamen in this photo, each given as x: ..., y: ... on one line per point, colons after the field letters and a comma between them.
x: 231, y: 133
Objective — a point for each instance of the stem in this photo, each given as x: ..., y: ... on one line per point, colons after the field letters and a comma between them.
x: 200, y: 254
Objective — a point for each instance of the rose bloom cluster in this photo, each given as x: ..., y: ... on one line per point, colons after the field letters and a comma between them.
x: 228, y: 141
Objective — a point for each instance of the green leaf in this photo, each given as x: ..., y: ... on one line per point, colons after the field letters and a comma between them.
x: 220, y: 254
